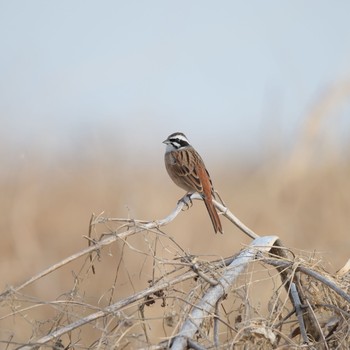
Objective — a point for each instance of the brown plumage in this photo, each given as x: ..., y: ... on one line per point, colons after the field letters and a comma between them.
x: 186, y: 168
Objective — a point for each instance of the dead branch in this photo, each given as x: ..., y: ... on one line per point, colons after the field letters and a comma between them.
x: 131, y: 227
x: 213, y: 295
x: 311, y: 273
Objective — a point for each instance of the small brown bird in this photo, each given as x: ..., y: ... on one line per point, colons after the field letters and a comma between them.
x: 186, y: 168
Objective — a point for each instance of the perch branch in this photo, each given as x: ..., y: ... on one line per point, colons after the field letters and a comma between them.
x: 133, y: 227
x: 227, y: 213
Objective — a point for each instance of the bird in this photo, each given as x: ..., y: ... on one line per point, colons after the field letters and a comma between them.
x: 187, y: 170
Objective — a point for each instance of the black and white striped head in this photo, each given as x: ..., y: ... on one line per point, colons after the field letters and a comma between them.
x: 176, y: 141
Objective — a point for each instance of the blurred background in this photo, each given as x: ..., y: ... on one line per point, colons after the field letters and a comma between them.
x: 89, y: 90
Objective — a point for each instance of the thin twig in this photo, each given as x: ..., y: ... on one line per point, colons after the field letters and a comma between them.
x: 311, y: 273
x: 92, y: 218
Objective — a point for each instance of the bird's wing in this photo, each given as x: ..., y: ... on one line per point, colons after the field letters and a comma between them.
x: 187, y: 166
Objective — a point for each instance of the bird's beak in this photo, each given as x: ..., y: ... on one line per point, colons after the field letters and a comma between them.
x: 166, y: 141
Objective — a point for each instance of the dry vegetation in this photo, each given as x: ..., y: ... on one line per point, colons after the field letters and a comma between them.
x: 46, y: 208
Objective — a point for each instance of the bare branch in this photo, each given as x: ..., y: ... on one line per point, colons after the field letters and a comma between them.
x: 133, y: 227
x: 311, y: 273
x: 207, y: 304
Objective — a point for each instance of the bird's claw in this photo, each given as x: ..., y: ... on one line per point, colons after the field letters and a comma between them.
x: 187, y: 200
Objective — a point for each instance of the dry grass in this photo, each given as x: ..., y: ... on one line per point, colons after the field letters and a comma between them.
x: 46, y: 211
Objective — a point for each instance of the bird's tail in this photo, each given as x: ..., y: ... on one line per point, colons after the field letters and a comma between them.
x: 214, y: 216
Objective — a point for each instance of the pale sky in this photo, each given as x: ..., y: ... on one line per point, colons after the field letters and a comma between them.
x: 223, y: 72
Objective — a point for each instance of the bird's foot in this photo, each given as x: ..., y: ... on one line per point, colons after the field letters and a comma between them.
x: 186, y: 199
